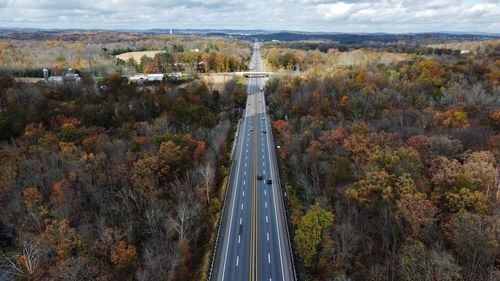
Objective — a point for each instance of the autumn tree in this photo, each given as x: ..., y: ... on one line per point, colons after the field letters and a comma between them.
x: 474, y: 237
x: 451, y: 119
x: 310, y: 231
x: 123, y: 256
x: 62, y: 238
x: 418, y: 214
x: 29, y: 263
x: 33, y: 202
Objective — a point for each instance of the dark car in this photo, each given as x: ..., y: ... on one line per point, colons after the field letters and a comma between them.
x: 269, y: 181
x: 264, y: 131
x: 260, y: 177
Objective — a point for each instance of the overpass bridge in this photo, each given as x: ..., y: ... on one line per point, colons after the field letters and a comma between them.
x: 254, y: 74
x: 246, y: 74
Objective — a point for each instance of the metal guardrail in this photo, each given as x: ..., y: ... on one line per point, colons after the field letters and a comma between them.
x: 288, y: 225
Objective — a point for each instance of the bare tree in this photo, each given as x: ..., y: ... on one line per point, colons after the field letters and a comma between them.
x: 185, y: 211
x: 207, y: 172
x: 28, y: 262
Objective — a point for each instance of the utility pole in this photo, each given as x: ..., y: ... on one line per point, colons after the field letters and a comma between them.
x: 89, y: 57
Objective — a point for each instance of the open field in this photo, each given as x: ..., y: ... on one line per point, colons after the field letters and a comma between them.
x: 216, y: 81
x: 472, y: 46
x: 137, y: 55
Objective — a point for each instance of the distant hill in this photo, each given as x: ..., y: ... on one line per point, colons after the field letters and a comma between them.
x: 268, y: 36
x: 347, y: 38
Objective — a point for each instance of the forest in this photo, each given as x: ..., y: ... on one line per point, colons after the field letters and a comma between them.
x: 118, y: 184
x: 389, y: 155
x: 391, y: 161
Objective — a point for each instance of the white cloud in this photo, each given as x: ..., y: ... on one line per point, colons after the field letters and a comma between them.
x: 313, y: 15
x: 336, y: 10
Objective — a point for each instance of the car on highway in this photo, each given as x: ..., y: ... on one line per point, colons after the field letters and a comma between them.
x: 269, y: 181
x: 264, y: 131
x: 251, y: 129
x: 260, y: 177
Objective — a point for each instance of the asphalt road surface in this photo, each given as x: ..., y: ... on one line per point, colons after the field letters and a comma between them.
x: 253, y: 241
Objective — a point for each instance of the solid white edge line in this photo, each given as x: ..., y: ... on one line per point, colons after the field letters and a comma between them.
x: 274, y: 197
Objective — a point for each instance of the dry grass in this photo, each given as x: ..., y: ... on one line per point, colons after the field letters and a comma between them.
x: 28, y: 79
x: 216, y: 81
x: 137, y: 55
x: 472, y: 46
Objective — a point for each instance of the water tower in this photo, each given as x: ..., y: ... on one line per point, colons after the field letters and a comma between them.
x: 46, y: 75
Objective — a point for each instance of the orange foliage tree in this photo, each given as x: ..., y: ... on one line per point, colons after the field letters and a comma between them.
x: 123, y: 256
x: 452, y: 118
x: 62, y: 238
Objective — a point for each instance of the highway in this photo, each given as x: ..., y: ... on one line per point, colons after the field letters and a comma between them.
x: 253, y: 241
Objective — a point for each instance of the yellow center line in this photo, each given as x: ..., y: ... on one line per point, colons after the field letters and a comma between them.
x: 254, y: 213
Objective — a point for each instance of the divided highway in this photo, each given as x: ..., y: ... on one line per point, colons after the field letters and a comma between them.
x: 253, y: 242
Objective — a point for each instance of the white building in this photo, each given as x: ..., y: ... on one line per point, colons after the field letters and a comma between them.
x: 147, y: 77
x: 155, y: 77
x: 139, y: 77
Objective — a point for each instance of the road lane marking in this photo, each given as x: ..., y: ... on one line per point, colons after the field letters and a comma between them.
x: 237, y: 260
x: 267, y: 219
x: 232, y: 206
x: 275, y: 212
x: 241, y: 220
x: 239, y: 238
x: 242, y: 206
x: 265, y: 204
x: 268, y: 236
x: 243, y: 193
x: 269, y: 257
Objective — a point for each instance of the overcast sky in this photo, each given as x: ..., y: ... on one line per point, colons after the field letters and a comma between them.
x: 302, y: 15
